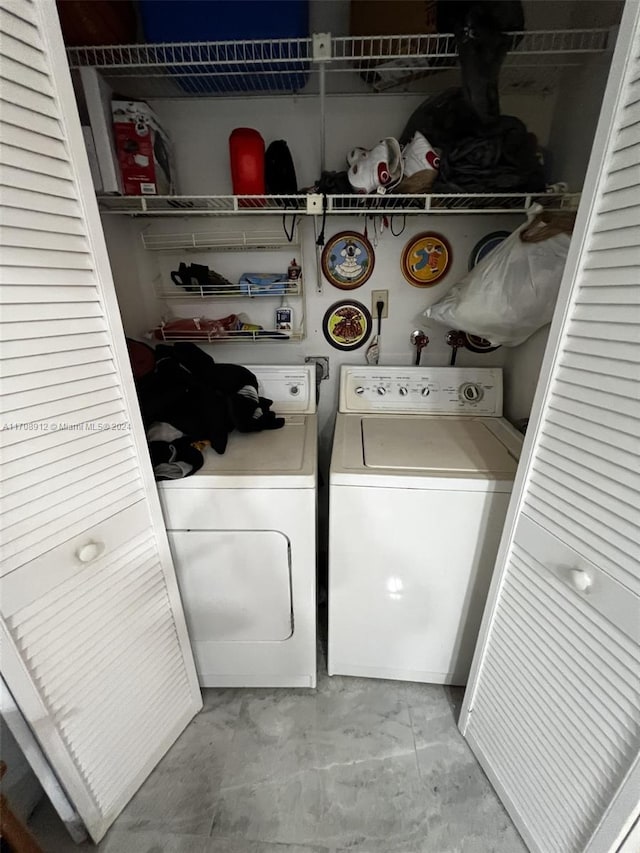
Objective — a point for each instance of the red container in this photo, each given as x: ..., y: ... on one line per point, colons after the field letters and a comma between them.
x: 246, y: 152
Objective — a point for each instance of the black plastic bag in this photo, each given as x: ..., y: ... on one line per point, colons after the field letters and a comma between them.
x: 279, y: 171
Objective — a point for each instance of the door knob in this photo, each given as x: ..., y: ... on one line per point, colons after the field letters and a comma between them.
x: 89, y: 552
x: 580, y: 580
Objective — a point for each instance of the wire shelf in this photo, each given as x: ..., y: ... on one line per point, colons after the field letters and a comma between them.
x: 221, y: 205
x: 210, y: 291
x: 451, y: 203
x: 409, y: 204
x: 222, y: 241
x: 238, y: 336
x: 354, y: 64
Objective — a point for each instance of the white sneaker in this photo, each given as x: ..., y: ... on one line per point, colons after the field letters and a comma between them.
x: 355, y: 155
x: 418, y: 155
x: 377, y: 170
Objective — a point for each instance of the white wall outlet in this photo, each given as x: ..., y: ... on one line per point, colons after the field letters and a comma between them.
x: 379, y: 296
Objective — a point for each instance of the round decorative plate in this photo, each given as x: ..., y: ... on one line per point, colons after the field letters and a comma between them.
x: 425, y: 259
x: 347, y: 325
x: 347, y: 260
x: 477, y: 344
x: 486, y: 245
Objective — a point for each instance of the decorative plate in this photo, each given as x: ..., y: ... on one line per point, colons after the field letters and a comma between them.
x: 478, y: 344
x: 425, y: 259
x: 486, y: 245
x: 347, y: 325
x: 347, y: 260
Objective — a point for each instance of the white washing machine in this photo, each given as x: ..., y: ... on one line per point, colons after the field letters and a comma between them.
x: 421, y: 474
x: 243, y: 536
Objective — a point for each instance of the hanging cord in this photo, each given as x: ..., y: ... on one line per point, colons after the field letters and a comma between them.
x: 404, y: 225
x: 289, y: 234
x: 321, y: 240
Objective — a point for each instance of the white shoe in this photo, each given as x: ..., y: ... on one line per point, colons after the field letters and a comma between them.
x: 377, y: 170
x: 418, y: 155
x: 355, y: 155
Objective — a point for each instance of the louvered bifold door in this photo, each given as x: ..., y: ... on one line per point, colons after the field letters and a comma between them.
x: 94, y: 645
x: 553, y: 707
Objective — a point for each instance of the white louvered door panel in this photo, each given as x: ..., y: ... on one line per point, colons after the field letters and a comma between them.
x: 553, y: 705
x: 94, y: 643
x: 67, y: 452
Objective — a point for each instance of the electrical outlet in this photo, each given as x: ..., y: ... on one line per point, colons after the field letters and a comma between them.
x: 379, y: 296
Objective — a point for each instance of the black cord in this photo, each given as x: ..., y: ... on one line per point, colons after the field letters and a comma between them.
x: 404, y: 225
x: 289, y: 235
x: 454, y: 353
x: 321, y: 240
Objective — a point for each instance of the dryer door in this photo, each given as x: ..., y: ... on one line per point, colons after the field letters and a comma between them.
x: 235, y: 585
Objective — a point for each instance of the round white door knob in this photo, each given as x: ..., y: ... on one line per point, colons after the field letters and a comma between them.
x: 580, y: 580
x: 90, y: 551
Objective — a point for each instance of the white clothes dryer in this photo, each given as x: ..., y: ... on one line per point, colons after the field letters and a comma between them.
x: 242, y: 532
x: 421, y: 474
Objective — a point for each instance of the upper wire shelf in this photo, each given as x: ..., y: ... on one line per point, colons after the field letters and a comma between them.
x: 353, y: 64
x: 226, y: 205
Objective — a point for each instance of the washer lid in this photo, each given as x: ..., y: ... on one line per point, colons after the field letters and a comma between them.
x: 455, y: 445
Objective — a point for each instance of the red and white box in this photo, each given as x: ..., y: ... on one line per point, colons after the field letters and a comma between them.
x: 143, y: 150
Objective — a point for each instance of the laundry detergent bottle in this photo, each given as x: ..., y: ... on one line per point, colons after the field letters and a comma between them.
x: 284, y: 317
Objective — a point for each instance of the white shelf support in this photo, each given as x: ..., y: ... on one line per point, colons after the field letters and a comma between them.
x: 314, y: 204
x: 321, y: 55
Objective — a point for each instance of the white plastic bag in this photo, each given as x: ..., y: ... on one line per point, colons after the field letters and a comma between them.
x: 510, y: 294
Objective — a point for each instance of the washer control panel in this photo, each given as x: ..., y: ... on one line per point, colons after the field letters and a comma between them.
x: 291, y: 387
x: 422, y: 390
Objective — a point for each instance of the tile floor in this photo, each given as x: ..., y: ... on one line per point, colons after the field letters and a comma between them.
x: 356, y: 765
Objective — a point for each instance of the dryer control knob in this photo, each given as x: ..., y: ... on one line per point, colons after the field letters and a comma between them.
x: 425, y: 392
x: 294, y: 390
x: 359, y: 390
x: 403, y: 391
x: 382, y: 390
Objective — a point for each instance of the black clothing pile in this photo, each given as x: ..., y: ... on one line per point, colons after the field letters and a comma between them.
x: 202, y: 401
x: 480, y: 28
x: 499, y: 157
x: 481, y: 151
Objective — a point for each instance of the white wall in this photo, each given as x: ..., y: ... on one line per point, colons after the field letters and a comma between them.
x: 576, y: 117
x: 200, y: 130
x: 521, y: 370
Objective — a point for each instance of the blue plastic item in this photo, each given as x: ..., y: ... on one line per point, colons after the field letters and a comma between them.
x: 264, y: 284
x: 278, y: 67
